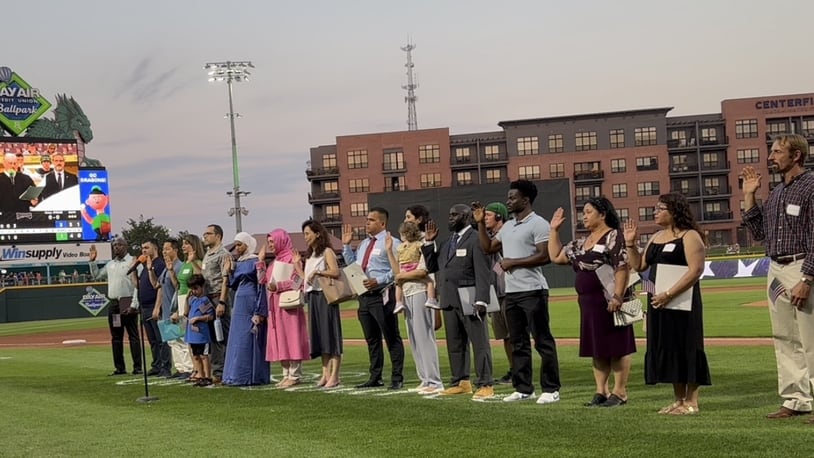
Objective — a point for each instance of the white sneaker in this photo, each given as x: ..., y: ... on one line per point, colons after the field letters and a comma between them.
x: 431, y: 390
x: 518, y: 396
x: 417, y: 389
x: 549, y: 398
x: 398, y: 309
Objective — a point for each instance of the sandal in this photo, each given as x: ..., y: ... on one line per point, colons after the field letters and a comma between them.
x: 684, y: 410
x: 671, y: 407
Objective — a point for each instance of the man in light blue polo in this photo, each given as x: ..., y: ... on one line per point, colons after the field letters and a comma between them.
x: 524, y: 242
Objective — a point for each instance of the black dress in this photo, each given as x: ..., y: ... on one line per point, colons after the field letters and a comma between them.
x: 675, y: 338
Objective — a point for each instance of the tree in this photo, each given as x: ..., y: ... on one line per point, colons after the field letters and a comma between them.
x: 140, y: 231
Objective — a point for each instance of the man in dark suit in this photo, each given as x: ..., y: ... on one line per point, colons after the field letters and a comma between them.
x: 12, y: 185
x: 58, y: 179
x: 461, y: 262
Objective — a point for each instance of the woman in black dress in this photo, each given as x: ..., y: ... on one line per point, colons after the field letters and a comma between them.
x: 609, y: 346
x: 675, y: 338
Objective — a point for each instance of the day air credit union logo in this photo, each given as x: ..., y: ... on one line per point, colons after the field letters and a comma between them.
x: 93, y: 301
x: 20, y: 104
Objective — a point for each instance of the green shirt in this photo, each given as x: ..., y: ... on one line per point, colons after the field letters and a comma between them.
x: 183, y: 277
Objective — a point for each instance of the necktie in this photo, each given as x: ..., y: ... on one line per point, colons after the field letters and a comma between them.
x: 371, y: 242
x: 11, y: 176
x: 59, y: 180
x: 453, y: 247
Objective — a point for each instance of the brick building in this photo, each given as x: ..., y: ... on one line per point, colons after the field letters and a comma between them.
x: 630, y: 156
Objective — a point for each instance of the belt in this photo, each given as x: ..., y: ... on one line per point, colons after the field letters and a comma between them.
x: 788, y: 258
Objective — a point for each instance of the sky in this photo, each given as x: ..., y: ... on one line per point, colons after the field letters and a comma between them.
x: 331, y: 68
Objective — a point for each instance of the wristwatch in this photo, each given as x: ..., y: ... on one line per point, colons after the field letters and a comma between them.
x: 807, y: 281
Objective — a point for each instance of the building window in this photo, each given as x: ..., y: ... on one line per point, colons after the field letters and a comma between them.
x: 624, y: 214
x: 463, y: 178
x: 430, y: 180
x: 556, y: 170
x: 643, y: 238
x: 682, y: 186
x: 617, y: 138
x: 618, y: 166
x: 647, y: 163
x: 648, y: 188
x: 359, y: 209
x: 394, y: 184
x: 359, y: 233
x: 357, y: 159
x: 359, y: 185
x: 711, y: 160
x: 583, y: 193
x: 808, y: 128
x: 529, y: 172
x: 620, y: 190
x: 329, y: 161
x: 494, y: 176
x: 527, y: 146
x: 555, y: 143
x: 709, y: 135
x: 332, y: 211
x: 748, y: 156
x: 585, y: 141
x: 775, y: 128
x: 491, y: 152
x: 775, y: 179
x: 746, y: 128
x: 330, y: 187
x: 646, y: 214
x: 394, y: 161
x: 462, y: 155
x: 428, y: 154
x: 644, y: 136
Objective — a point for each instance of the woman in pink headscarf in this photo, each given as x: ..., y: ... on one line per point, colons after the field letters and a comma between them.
x: 287, y: 332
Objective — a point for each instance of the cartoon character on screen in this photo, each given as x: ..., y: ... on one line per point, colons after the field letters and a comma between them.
x: 97, y: 200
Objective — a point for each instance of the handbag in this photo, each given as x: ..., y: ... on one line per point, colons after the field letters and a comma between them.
x: 171, y: 331
x: 336, y: 290
x: 630, y: 312
x: 291, y: 300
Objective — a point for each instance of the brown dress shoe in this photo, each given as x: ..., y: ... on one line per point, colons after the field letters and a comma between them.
x: 785, y: 412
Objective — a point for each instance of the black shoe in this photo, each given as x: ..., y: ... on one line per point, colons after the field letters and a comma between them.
x: 396, y: 386
x: 598, y: 399
x: 136, y: 371
x: 153, y: 372
x: 506, y: 379
x: 613, y: 401
x: 118, y: 372
x: 371, y: 384
x: 182, y: 375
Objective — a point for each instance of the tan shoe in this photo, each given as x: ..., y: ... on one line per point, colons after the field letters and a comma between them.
x: 484, y: 392
x: 463, y: 387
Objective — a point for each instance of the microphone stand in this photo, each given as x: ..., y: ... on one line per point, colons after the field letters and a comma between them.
x: 146, y: 399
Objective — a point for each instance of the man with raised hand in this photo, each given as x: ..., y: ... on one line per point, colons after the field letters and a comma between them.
x: 217, y: 264
x: 146, y: 277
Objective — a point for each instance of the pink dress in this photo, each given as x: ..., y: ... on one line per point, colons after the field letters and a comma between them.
x: 287, y: 329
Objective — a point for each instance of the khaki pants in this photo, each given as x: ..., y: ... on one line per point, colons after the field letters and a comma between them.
x: 793, y: 336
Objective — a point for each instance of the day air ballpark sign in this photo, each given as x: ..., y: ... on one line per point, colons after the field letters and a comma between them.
x: 20, y: 104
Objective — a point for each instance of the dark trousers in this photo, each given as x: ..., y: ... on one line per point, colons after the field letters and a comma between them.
x: 528, y: 312
x: 460, y: 330
x: 377, y: 319
x: 217, y: 350
x: 160, y: 350
x: 129, y: 322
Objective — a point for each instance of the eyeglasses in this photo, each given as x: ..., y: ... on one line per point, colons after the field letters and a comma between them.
x: 208, y: 233
x: 659, y: 209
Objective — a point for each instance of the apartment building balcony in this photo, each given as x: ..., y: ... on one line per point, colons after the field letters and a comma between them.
x: 723, y: 215
x: 464, y: 163
x: 398, y: 167
x: 682, y: 143
x: 722, y: 191
x: 593, y: 175
x: 331, y: 221
x: 323, y: 197
x: 718, y: 166
x: 710, y: 142
x: 580, y: 201
x: 501, y: 158
x: 689, y: 193
x: 654, y: 165
x: 322, y: 173
x: 678, y: 169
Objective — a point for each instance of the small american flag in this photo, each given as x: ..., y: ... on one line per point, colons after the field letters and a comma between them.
x: 776, y: 289
x: 648, y: 286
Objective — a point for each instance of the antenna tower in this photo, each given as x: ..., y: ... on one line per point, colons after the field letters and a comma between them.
x: 411, y: 86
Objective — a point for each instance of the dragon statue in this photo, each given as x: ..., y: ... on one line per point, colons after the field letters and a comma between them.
x: 69, y: 122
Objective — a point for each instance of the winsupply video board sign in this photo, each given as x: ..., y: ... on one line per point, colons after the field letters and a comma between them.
x: 55, y: 253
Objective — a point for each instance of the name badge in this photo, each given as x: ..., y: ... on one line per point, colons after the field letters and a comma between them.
x: 376, y: 251
x: 460, y: 252
x: 793, y: 210
x: 203, y: 266
x: 599, y: 248
x: 669, y: 248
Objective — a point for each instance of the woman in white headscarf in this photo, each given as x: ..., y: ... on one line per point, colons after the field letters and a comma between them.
x: 246, y: 350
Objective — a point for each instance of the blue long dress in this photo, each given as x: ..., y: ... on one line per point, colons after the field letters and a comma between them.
x: 246, y: 350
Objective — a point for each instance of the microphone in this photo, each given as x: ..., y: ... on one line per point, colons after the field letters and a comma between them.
x: 141, y: 260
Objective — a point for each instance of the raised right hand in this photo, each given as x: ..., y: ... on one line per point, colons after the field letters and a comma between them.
x: 630, y: 231
x: 430, y: 231
x: 477, y: 211
x: 347, y: 234
x: 557, y: 219
x: 751, y: 180
x: 92, y: 253
x: 388, y: 241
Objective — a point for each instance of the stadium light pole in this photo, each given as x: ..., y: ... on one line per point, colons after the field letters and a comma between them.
x: 230, y: 72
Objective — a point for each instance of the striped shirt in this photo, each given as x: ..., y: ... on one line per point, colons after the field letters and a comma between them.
x: 785, y: 222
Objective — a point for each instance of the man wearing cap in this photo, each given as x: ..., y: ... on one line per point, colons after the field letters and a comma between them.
x: 495, y: 215
x: 59, y: 179
x: 45, y: 166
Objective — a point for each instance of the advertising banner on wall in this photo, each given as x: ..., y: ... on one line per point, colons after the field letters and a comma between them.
x: 55, y: 253
x: 20, y: 104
